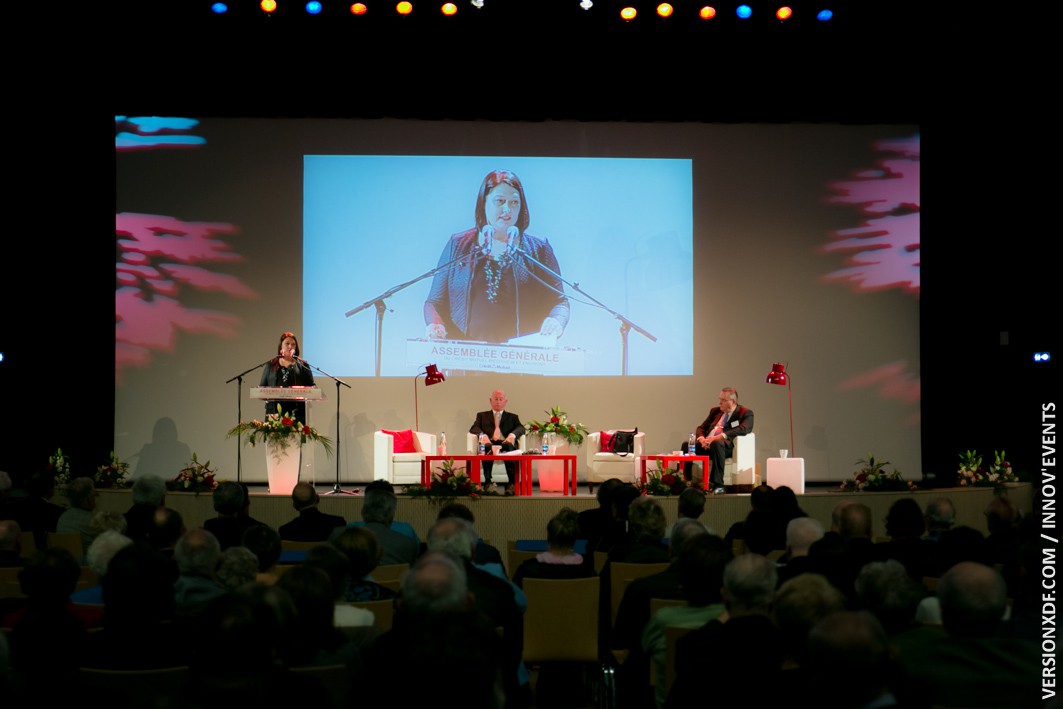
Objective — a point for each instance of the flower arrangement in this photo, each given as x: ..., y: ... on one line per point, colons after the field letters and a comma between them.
x: 663, y: 482
x: 59, y: 467
x: 112, y: 475
x: 450, y: 481
x: 195, y: 477
x: 559, y: 424
x: 972, y: 474
x: 280, y: 429
x: 873, y: 477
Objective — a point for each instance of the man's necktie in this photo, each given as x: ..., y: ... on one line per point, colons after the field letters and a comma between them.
x: 498, y: 431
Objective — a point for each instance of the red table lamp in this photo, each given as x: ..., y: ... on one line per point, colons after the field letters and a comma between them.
x: 778, y: 375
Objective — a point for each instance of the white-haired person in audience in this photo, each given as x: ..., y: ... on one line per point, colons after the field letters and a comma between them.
x: 77, y: 519
x: 99, y: 554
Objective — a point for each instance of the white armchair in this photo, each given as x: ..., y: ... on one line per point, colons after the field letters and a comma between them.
x: 740, y: 470
x: 601, y: 466
x: 401, y: 468
x: 472, y: 447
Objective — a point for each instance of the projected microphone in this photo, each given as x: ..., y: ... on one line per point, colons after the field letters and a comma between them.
x: 487, y: 235
x: 512, y: 235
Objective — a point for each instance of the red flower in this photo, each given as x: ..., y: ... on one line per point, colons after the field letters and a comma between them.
x: 572, y: 429
x: 306, y: 430
x: 668, y: 479
x: 554, y: 419
x: 286, y: 421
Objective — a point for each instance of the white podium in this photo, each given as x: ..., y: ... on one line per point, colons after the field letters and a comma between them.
x: 788, y: 472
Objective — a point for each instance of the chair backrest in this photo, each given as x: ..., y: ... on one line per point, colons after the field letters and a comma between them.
x: 383, y: 612
x: 336, y: 679
x: 622, y: 573
x: 390, y: 575
x: 134, y: 687
x: 292, y: 545
x: 515, y: 556
x: 71, y: 541
x: 9, y: 583
x: 672, y: 633
x: 561, y: 622
x: 28, y: 544
x: 407, y: 469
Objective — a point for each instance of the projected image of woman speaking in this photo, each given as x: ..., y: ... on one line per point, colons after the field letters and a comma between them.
x: 496, y: 281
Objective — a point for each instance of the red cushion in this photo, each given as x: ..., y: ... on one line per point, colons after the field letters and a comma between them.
x: 403, y: 440
x: 607, y: 442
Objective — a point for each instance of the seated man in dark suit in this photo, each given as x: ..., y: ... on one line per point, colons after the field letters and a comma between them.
x: 312, y: 525
x: 230, y: 502
x: 715, y: 436
x: 498, y: 427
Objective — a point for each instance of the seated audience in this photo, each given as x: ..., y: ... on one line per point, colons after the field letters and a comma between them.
x: 596, y: 523
x: 560, y: 560
x: 333, y: 562
x: 849, y: 661
x: 77, y: 519
x: 98, y: 557
x: 801, y: 534
x: 38, y: 513
x: 237, y: 566
x: 231, y: 502
x: 396, y: 525
x: 799, y: 604
x: 197, y: 553
x: 10, y: 543
x: 311, y: 524
x: 378, y: 512
x: 265, y: 543
x: 363, y: 553
x: 485, y: 553
x: 147, y: 494
x: 691, y: 505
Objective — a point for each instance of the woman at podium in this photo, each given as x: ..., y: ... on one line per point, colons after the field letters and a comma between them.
x: 495, y: 281
x: 287, y: 369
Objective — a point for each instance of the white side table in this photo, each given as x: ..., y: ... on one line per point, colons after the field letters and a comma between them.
x: 789, y: 472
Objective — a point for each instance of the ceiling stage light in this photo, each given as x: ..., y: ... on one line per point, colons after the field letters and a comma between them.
x: 313, y: 7
x: 359, y: 8
x: 665, y: 10
x: 449, y: 9
x: 784, y: 13
x: 744, y: 12
x: 628, y: 14
x: 404, y: 8
x: 268, y: 5
x: 707, y: 12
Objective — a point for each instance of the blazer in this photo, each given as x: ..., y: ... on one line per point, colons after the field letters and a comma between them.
x: 312, y: 525
x: 485, y: 423
x: 740, y: 423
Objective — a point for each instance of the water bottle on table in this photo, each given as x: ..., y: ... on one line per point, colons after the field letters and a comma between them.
x: 692, y: 445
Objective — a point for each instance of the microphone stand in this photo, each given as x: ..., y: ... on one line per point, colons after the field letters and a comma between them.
x: 336, y: 489
x: 625, y: 324
x: 379, y: 301
x: 239, y: 379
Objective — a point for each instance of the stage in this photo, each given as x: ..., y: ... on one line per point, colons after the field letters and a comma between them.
x: 500, y: 519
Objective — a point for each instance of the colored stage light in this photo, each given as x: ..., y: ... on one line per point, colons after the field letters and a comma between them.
x: 449, y: 9
x: 744, y: 12
x: 219, y: 8
x: 707, y: 13
x: 824, y: 15
x: 1041, y: 357
x: 359, y: 8
x: 784, y: 13
x: 268, y: 6
x: 404, y: 8
x: 665, y: 10
x: 313, y: 7
x: 628, y: 14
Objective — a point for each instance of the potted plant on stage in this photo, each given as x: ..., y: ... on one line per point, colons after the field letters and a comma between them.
x: 972, y: 474
x: 558, y: 434
x: 284, y: 437
x: 195, y: 477
x: 450, y: 481
x: 873, y: 477
x: 663, y: 482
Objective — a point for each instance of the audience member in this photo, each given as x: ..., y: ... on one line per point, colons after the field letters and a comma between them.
x: 378, y: 512
x: 252, y: 629
x: 197, y: 554
x: 619, y: 532
x: 316, y: 641
x: 701, y: 563
x: 758, y: 500
x: 38, y: 513
x: 104, y: 520
x: 905, y: 526
x: 333, y: 562
x: 597, y: 522
x: 10, y: 543
x: 138, y: 629
x: 940, y: 515
x: 237, y: 566
x: 974, y: 665
x: 840, y: 563
x: 231, y: 503
x: 147, y: 494
x: 167, y: 527
x: 887, y: 591
x: 98, y: 557
x: 265, y: 543
x: 492, y: 596
x: 47, y: 635
x: 647, y: 522
x: 722, y: 647
x: 801, y: 534
x: 437, y: 625
x: 396, y: 525
x: 485, y: 553
x: 363, y: 553
x: 77, y: 519
x: 849, y: 662
x: 311, y: 524
x: 799, y: 604
x: 1002, y: 543
x: 560, y: 560
x: 691, y: 505
x: 634, y: 610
